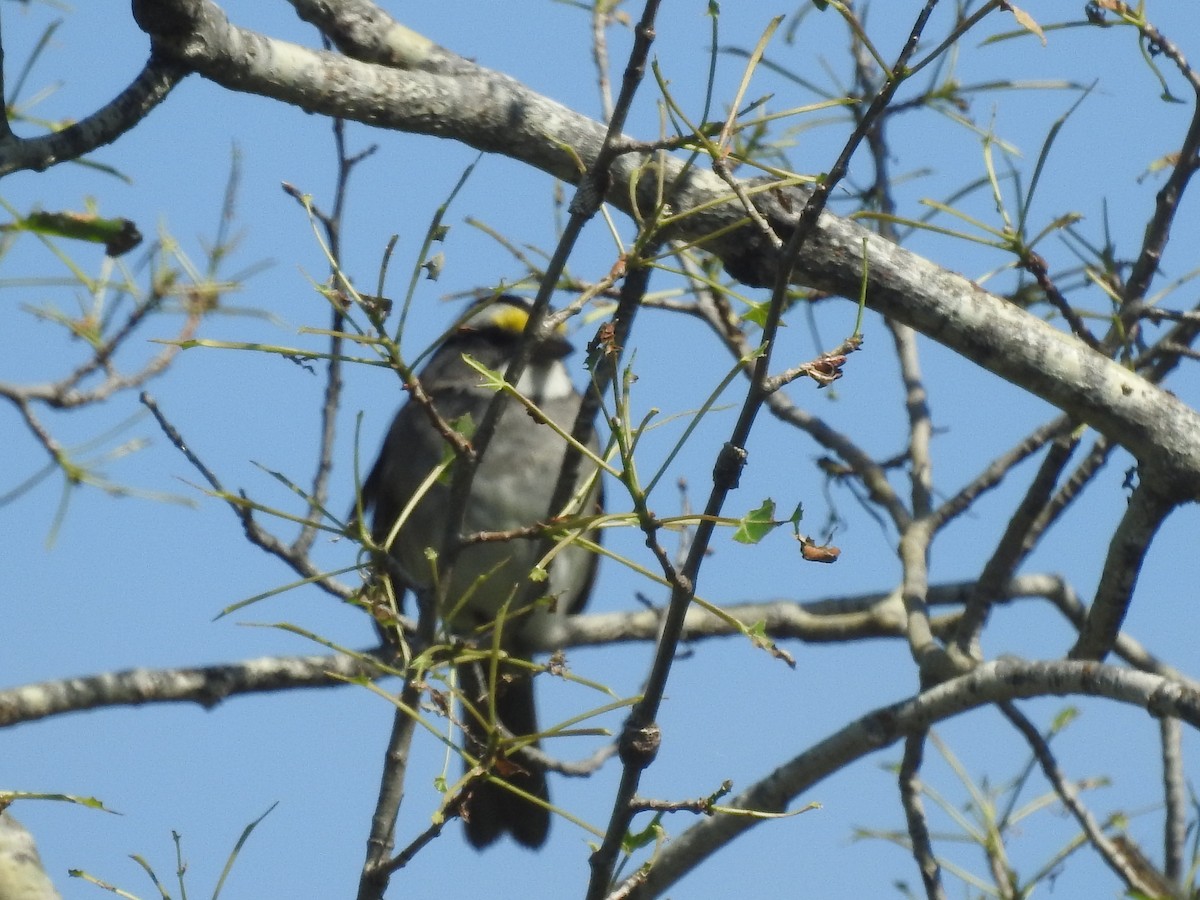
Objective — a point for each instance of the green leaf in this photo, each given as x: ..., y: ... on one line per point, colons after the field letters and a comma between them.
x: 117, y: 235
x: 756, y: 524
x: 7, y: 797
x: 493, y: 380
x: 237, y: 848
x: 757, y: 313
x: 763, y: 641
x: 464, y: 425
x: 796, y: 516
x: 634, y: 841
x: 1064, y: 719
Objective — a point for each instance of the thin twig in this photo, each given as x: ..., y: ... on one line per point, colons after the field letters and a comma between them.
x: 1107, y: 849
x: 331, y: 404
x: 1158, y: 229
x: 715, y: 313
x: 1012, y: 547
x: 600, y: 20
x: 999, y: 469
x: 255, y: 534
x: 640, y: 737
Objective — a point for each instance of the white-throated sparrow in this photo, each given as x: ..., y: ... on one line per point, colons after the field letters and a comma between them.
x: 511, y: 490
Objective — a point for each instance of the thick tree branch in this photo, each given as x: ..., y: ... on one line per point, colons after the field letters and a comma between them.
x: 858, y: 617
x: 204, y: 685
x: 849, y: 618
x: 494, y: 113
x: 364, y: 31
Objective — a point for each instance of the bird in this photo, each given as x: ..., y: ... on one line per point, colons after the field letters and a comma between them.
x: 511, y: 490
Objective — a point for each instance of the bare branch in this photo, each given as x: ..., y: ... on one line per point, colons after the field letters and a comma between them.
x: 364, y: 31
x: 244, y: 510
x: 376, y: 868
x: 1148, y: 508
x: 1012, y: 547
x: 102, y: 127
x: 1070, y: 490
x: 999, y: 469
x: 1068, y: 603
x: 926, y: 650
x: 494, y: 113
x: 206, y: 685
x: 1109, y: 851
x: 914, y: 813
x: 1158, y: 229
x: 1003, y: 680
x: 1175, y: 800
x: 920, y: 425
x: 66, y: 393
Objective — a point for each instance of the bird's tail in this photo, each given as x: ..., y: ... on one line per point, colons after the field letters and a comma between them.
x: 492, y: 809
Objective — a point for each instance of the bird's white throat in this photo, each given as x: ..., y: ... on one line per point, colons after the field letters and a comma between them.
x: 545, y: 381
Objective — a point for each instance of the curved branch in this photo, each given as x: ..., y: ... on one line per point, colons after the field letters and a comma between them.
x: 990, y: 683
x: 102, y: 127
x: 494, y: 113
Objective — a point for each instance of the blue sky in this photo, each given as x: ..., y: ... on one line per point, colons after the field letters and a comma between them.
x: 128, y: 582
